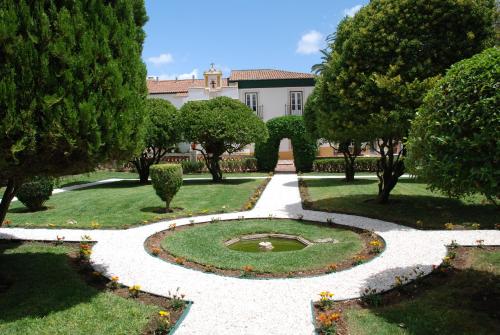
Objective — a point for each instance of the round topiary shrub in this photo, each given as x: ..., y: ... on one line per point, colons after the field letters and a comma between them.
x: 455, y: 138
x: 292, y: 127
x: 35, y: 192
x: 166, y: 180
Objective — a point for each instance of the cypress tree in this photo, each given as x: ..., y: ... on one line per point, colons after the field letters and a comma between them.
x: 72, y: 86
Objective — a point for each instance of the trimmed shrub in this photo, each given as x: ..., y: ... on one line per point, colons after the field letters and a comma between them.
x: 166, y: 180
x: 362, y: 164
x: 292, y: 127
x: 192, y: 166
x: 454, y: 143
x: 35, y: 192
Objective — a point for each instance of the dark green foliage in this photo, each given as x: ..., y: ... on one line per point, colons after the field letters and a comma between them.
x: 166, y: 180
x: 455, y: 138
x: 34, y: 192
x: 387, y: 56
x: 292, y: 127
x: 161, y: 133
x: 226, y: 165
x: 362, y: 164
x: 192, y: 166
x: 72, y: 86
x: 220, y: 125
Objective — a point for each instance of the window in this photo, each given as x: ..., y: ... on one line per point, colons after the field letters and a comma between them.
x: 296, y: 103
x: 251, y: 100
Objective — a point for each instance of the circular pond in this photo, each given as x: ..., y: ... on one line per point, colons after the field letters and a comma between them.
x: 230, y: 247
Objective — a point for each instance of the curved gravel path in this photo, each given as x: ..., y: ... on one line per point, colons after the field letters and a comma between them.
x: 227, y: 305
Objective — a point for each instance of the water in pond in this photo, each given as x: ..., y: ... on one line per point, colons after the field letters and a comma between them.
x: 279, y: 244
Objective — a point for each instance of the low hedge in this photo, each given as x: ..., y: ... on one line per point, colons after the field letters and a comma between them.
x: 336, y: 164
x: 226, y: 165
x: 166, y: 180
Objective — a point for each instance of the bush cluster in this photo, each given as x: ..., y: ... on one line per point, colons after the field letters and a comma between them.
x: 166, y: 180
x: 35, y: 192
x: 227, y: 166
x: 361, y: 164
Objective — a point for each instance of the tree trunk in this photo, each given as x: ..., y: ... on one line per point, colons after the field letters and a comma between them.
x: 142, y: 166
x: 349, y: 159
x: 8, y: 195
x: 389, y: 169
x: 214, y: 169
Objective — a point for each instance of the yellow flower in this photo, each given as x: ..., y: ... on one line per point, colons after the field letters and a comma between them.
x: 375, y: 243
x: 163, y: 313
x: 114, y: 278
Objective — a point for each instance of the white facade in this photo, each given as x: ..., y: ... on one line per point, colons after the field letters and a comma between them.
x: 268, y: 97
x: 277, y: 101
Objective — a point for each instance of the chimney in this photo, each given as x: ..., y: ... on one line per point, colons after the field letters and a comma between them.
x: 157, y: 78
x: 192, y: 78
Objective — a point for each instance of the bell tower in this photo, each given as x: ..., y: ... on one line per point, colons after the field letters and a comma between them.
x: 213, y: 78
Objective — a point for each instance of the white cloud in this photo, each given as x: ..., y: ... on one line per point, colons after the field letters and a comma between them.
x: 161, y: 59
x: 352, y: 11
x: 181, y: 76
x: 310, y: 43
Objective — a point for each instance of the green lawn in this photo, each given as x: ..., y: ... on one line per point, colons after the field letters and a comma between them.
x: 101, y: 175
x: 205, y: 244
x: 466, y: 304
x: 48, y: 297
x: 126, y: 203
x: 410, y: 202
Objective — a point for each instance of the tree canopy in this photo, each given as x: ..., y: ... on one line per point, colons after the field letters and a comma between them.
x: 389, y: 54
x: 72, y: 86
x: 455, y: 138
x: 220, y: 125
x: 161, y: 133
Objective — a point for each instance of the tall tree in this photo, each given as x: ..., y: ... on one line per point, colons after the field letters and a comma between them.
x: 72, y: 86
x: 327, y: 119
x: 389, y: 54
x: 454, y: 142
x: 220, y: 125
x: 161, y: 134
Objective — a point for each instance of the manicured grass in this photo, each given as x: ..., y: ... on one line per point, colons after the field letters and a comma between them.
x: 125, y: 203
x: 101, y: 175
x: 90, y: 177
x: 48, y: 297
x: 465, y: 304
x: 410, y: 202
x: 205, y: 244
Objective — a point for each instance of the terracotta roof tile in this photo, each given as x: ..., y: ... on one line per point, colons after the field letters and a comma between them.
x: 176, y: 86
x: 263, y: 74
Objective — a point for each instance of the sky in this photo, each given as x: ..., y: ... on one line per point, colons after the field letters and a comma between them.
x: 185, y: 36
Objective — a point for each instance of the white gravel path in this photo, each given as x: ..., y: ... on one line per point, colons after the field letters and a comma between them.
x: 228, y: 305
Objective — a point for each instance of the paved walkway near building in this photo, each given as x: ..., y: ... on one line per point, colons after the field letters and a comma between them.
x: 228, y: 305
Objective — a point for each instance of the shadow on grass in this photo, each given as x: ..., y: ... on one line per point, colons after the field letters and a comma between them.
x: 24, y: 210
x: 460, y: 302
x: 74, y: 183
x: 434, y: 212
x: 41, y: 283
x: 161, y: 210
x: 339, y: 182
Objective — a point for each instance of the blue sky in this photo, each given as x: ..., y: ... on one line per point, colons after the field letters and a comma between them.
x: 185, y: 36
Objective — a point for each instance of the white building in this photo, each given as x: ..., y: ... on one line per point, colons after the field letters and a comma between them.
x: 270, y: 93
